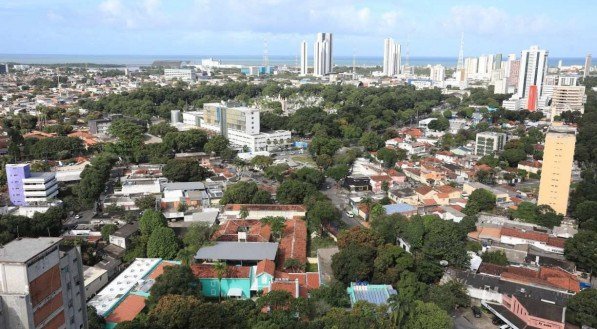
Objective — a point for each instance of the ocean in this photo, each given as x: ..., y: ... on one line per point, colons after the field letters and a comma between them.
x: 141, y: 60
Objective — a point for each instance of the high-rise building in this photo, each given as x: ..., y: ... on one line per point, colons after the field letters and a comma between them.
x: 304, y: 58
x: 27, y: 188
x: 391, y: 57
x: 3, y: 68
x: 489, y: 142
x: 322, y: 54
x: 514, y: 72
x: 567, y: 98
x: 41, y: 285
x: 556, y: 171
x: 533, y: 68
x: 587, y: 66
x: 437, y: 73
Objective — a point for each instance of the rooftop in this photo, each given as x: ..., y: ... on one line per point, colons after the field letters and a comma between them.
x: 375, y: 294
x: 22, y: 250
x: 239, y: 251
x: 186, y: 186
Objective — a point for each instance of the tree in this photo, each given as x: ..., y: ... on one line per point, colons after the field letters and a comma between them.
x: 184, y: 141
x: 581, y: 250
x: 176, y: 280
x: 497, y: 257
x: 262, y: 161
x: 428, y: 316
x: 353, y: 264
x: 390, y: 262
x: 94, y: 321
x: 358, y: 236
x: 126, y: 129
x: 277, y: 172
x: 292, y: 191
x: 439, y: 124
x: 182, y: 170
x: 162, y: 243
x: 582, y: 307
x: 275, y: 300
x: 175, y: 312
x: 145, y: 202
x: 294, y: 265
x: 276, y: 224
x: 197, y: 236
x: 514, y: 156
x: 321, y: 213
x: 387, y: 156
x: 444, y: 240
x: 107, y: 230
x: 338, y: 172
x: 333, y: 294
x: 586, y: 214
x: 449, y: 296
x: 311, y: 176
x: 151, y: 220
x: 245, y: 193
x: 387, y: 227
x: 371, y: 141
x: 479, y: 200
x: 220, y: 268
x: 217, y: 144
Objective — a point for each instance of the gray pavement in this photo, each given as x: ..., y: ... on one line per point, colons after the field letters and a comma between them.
x: 339, y: 197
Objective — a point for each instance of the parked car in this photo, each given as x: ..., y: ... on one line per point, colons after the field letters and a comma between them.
x: 477, y: 311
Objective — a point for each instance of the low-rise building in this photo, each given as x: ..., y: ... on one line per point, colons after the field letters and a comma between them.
x: 122, y: 236
x: 95, y: 278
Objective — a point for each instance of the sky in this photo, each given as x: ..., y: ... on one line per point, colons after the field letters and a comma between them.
x: 242, y: 27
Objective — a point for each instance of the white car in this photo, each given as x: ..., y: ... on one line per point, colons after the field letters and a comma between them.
x: 349, y: 214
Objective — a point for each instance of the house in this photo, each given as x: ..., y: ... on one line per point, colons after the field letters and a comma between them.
x: 242, y: 253
x: 377, y: 294
x: 87, y: 138
x: 264, y: 275
x: 540, y: 240
x: 519, y: 311
x: 189, y: 194
x: 258, y: 211
x: 393, y: 143
x: 236, y: 281
x: 297, y: 284
x: 446, y: 157
x: 243, y: 230
x: 501, y: 195
x: 530, y: 166
x: 293, y: 244
x: 377, y: 182
x: 122, y: 236
x: 549, y: 277
x: 448, y: 213
x: 396, y: 176
x: 94, y: 278
x: 356, y: 183
x: 400, y: 208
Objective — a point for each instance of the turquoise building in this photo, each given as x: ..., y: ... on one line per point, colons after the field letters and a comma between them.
x: 240, y: 282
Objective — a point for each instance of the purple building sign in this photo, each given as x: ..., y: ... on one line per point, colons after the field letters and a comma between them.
x: 15, y: 173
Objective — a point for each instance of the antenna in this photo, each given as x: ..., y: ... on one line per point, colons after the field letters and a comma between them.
x: 265, y: 53
x: 460, y: 64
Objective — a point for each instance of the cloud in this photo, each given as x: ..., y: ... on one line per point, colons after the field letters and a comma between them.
x: 143, y: 14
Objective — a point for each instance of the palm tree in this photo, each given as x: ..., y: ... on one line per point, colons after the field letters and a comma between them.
x: 220, y: 268
x: 276, y: 224
x: 400, y: 310
x: 186, y: 256
x: 243, y: 213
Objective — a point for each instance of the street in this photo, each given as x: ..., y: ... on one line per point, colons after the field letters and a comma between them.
x: 339, y: 198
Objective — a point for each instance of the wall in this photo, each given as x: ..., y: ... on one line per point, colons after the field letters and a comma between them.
x: 209, y: 287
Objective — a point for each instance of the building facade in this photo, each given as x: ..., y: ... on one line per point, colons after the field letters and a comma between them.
x: 41, y: 285
x: 322, y: 54
x: 533, y: 68
x: 186, y: 75
x: 488, y: 143
x: 26, y: 188
x: 391, y: 58
x: 567, y: 98
x: 304, y: 58
x: 556, y: 172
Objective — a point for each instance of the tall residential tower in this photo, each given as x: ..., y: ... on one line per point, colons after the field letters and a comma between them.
x: 556, y: 171
x: 533, y: 68
x: 322, y: 54
x: 304, y: 58
x: 391, y: 57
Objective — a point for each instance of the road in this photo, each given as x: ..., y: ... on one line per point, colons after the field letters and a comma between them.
x: 339, y: 198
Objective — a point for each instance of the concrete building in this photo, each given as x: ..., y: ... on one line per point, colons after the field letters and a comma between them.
x: 192, y: 118
x: 567, y: 98
x: 28, y: 188
x: 556, y: 172
x: 533, y: 68
x: 186, y: 75
x: 437, y: 73
x: 41, y: 285
x: 241, y: 125
x: 95, y: 278
x: 391, y: 58
x: 587, y: 70
x: 488, y: 143
x: 99, y: 126
x: 322, y: 54
x: 304, y: 59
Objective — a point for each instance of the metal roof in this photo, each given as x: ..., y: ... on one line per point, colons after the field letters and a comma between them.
x: 375, y: 294
x: 239, y: 251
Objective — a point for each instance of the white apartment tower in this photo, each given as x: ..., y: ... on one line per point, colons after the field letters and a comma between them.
x: 533, y: 68
x: 304, y: 58
x: 322, y: 54
x: 437, y: 73
x: 391, y: 57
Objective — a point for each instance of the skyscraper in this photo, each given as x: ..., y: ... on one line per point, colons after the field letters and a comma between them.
x: 391, y: 57
x: 304, y: 58
x: 587, y: 66
x: 322, y: 54
x: 556, y: 171
x: 533, y: 68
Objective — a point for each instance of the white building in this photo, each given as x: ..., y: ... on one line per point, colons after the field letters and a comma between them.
x: 437, y: 73
x: 186, y: 75
x: 567, y: 98
x: 533, y: 68
x: 40, y: 188
x: 488, y: 143
x: 95, y: 279
x: 192, y: 118
x: 322, y: 54
x: 304, y: 58
x: 391, y: 58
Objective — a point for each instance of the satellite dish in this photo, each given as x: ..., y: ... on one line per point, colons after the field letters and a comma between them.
x: 443, y: 262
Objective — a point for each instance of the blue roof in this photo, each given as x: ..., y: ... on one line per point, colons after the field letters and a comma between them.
x: 376, y: 293
x: 398, y: 208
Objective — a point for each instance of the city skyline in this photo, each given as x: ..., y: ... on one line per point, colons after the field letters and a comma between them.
x: 154, y: 27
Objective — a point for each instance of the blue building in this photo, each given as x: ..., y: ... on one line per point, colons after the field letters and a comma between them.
x: 377, y: 294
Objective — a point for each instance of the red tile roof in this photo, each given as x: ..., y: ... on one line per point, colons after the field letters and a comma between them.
x: 380, y: 178
x: 265, y: 207
x: 128, y: 309
x: 207, y: 271
x: 423, y: 190
x: 294, y: 242
x: 159, y: 270
x: 266, y: 266
x: 546, y: 276
x: 307, y: 281
x: 290, y: 286
x: 257, y: 232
